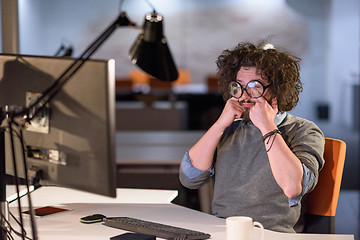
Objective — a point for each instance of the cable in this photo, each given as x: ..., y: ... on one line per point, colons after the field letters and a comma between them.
x: 32, y: 214
x: 61, y: 48
x: 3, y: 227
x: 11, y: 122
x: 8, y: 233
x: 153, y: 8
x: 120, y: 5
x: 52, y: 91
x: 23, y: 234
x: 16, y: 232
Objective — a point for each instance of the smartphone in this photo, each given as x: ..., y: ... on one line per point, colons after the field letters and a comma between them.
x: 47, y: 211
x: 133, y: 236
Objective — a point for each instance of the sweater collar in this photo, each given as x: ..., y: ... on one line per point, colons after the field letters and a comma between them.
x: 279, y: 118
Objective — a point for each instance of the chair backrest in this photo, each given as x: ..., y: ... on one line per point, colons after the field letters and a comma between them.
x: 322, y: 201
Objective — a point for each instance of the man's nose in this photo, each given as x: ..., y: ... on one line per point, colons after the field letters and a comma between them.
x: 245, y: 96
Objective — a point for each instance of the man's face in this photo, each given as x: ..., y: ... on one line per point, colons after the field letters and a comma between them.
x: 244, y: 76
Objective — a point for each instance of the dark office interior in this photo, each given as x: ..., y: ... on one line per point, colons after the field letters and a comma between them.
x: 157, y: 121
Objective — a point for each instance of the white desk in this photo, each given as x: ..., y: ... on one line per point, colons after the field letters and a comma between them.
x: 57, y: 195
x: 67, y: 225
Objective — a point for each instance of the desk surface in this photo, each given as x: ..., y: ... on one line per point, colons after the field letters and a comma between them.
x: 68, y: 226
x: 57, y: 195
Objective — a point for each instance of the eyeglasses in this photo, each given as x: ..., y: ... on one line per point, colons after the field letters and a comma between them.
x: 254, y: 89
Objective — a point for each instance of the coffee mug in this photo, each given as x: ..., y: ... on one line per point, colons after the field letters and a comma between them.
x: 240, y: 228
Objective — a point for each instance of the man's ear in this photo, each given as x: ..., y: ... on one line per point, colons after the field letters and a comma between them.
x: 273, y: 103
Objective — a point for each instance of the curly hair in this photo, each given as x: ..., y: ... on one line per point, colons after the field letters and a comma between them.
x: 281, y: 69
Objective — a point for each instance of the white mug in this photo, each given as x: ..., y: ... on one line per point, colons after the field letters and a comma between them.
x: 240, y: 228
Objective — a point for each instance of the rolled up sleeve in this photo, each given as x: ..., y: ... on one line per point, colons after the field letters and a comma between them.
x: 190, y: 176
x: 308, y: 182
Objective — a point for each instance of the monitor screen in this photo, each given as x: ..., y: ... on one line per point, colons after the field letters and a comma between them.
x: 72, y: 141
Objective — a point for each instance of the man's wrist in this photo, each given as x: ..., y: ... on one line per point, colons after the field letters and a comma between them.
x: 267, y: 129
x: 271, y: 133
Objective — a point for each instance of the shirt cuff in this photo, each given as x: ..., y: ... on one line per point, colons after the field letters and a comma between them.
x: 189, y: 170
x: 309, y: 179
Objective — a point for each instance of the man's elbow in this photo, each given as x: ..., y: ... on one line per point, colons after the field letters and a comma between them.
x: 293, y: 191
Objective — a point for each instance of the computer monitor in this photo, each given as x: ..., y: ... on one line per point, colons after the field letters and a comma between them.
x: 72, y: 142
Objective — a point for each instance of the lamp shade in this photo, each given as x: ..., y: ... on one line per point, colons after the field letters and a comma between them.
x: 151, y: 52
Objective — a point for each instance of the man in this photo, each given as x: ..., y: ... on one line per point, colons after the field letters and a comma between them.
x: 266, y: 161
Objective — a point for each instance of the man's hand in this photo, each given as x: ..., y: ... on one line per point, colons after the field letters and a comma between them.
x: 231, y: 111
x: 202, y: 153
x: 262, y: 114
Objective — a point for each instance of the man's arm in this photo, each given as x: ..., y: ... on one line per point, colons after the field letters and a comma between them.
x: 285, y: 166
x: 308, y: 183
x: 192, y: 177
x: 202, y: 153
x: 196, y: 166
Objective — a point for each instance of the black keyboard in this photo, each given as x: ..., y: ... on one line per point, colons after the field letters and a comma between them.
x: 155, y: 229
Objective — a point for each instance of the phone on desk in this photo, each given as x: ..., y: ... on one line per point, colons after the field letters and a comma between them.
x: 47, y: 211
x: 133, y: 236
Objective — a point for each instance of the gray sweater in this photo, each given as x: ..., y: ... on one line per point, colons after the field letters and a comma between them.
x: 244, y: 184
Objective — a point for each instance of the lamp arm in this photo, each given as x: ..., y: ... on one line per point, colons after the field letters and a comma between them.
x: 51, y: 92
x: 31, y: 111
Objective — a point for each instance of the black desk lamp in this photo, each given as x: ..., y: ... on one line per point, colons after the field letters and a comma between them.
x: 150, y: 52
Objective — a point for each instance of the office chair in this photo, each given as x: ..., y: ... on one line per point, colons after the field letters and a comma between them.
x: 322, y: 201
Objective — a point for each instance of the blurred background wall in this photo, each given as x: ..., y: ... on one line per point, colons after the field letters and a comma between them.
x: 323, y: 33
